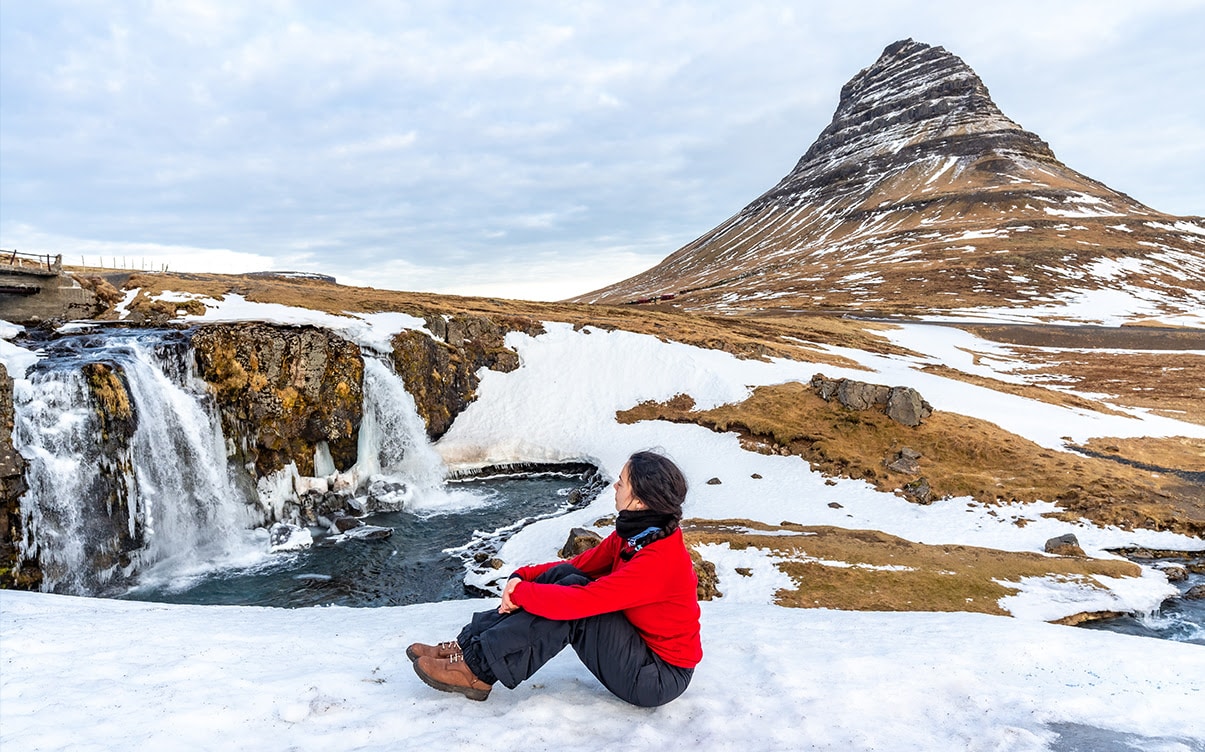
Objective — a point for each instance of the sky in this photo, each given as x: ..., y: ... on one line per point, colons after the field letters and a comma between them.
x: 531, y: 150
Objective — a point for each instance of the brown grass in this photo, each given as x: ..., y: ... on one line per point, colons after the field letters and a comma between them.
x: 960, y: 456
x: 1180, y: 452
x: 798, y: 338
x: 924, y: 577
x: 1168, y: 383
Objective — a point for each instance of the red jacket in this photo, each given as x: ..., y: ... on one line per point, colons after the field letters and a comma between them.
x: 656, y: 590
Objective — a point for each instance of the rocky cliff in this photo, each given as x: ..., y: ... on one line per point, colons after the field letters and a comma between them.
x: 440, y: 371
x: 922, y: 196
x: 12, y: 485
x: 111, y: 536
x: 282, y: 391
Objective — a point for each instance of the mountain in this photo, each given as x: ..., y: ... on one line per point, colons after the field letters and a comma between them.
x: 921, y: 196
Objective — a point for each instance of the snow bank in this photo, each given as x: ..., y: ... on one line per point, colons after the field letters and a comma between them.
x: 372, y: 330
x: 86, y: 674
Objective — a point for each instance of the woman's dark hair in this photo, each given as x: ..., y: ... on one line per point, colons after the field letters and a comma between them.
x: 658, y: 482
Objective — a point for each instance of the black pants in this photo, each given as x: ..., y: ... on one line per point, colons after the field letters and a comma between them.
x: 511, y: 647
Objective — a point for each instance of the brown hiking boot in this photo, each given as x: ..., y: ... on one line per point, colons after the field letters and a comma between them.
x: 442, y: 650
x: 451, y: 675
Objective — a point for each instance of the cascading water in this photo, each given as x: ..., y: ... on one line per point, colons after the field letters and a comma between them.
x: 393, y: 441
x: 56, y: 430
x: 105, y: 501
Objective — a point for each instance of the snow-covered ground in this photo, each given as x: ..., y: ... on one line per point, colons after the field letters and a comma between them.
x: 92, y: 674
x: 87, y: 674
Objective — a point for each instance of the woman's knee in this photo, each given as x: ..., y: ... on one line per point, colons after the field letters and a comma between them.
x: 657, y: 684
x: 563, y: 574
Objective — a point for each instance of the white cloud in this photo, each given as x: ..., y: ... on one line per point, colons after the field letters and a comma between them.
x: 134, y: 255
x: 546, y: 277
x: 423, y: 130
x: 386, y: 143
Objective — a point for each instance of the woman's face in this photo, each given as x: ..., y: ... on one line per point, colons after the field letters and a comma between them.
x: 625, y: 500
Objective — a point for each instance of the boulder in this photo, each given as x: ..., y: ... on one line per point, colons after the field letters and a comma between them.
x: 1174, y: 572
x: 285, y: 537
x: 315, y: 508
x: 904, y: 461
x: 903, y: 404
x: 580, y: 539
x: 1064, y: 545
x: 1195, y: 593
x: 859, y: 395
x: 387, y: 495
x: 906, y: 407
x: 342, y: 523
x: 368, y: 532
x: 918, y: 491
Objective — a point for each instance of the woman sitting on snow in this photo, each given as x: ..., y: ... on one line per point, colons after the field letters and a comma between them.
x: 628, y: 606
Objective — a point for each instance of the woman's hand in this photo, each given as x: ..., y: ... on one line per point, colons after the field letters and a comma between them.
x: 508, y: 606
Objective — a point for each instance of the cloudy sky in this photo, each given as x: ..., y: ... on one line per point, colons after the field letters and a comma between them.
x: 517, y: 149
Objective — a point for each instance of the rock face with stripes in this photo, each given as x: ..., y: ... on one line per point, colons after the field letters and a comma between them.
x: 921, y: 196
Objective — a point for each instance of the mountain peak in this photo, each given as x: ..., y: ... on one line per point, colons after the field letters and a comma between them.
x: 915, y: 100
x: 921, y: 197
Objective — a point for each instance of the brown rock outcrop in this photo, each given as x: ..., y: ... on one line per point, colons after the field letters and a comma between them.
x: 579, y: 541
x: 282, y: 390
x: 440, y: 372
x: 104, y: 504
x: 903, y: 404
x: 111, y: 540
x: 708, y: 588
x: 12, y: 486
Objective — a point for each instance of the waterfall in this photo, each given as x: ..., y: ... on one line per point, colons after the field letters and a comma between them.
x: 55, y: 430
x: 102, y: 505
x: 194, y: 513
x: 128, y: 471
x: 393, y: 445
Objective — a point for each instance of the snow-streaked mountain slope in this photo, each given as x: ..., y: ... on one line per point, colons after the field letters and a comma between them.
x: 921, y: 196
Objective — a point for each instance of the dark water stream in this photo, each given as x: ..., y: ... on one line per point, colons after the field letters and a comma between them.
x: 413, y: 565
x: 1180, y: 618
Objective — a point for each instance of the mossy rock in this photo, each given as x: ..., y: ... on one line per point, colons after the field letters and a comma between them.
x: 114, y: 408
x: 283, y: 390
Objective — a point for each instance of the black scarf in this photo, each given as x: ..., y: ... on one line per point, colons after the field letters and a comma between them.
x: 630, y: 524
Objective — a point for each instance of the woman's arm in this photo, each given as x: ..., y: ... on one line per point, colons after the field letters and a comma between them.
x: 648, y: 578
x: 594, y: 562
